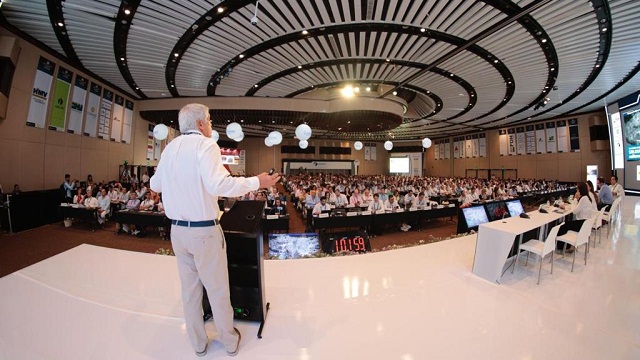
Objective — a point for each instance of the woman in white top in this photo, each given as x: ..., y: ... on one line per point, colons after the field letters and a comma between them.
x: 583, y: 211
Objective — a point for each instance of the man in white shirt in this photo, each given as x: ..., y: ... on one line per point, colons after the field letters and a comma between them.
x: 144, y: 177
x: 376, y: 204
x: 391, y: 204
x: 616, y: 189
x: 104, y: 202
x: 190, y: 177
x: 90, y: 201
x: 321, y: 206
x: 422, y: 201
x: 340, y: 200
x: 356, y: 199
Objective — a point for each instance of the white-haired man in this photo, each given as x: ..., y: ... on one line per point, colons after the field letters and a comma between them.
x: 190, y: 177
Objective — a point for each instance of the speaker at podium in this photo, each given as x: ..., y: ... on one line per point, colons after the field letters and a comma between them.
x: 245, y: 260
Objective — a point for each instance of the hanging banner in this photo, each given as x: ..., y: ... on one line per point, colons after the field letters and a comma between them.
x: 456, y: 148
x: 374, y: 154
x: 468, y: 151
x: 40, y: 93
x: 116, y: 120
x: 520, y: 140
x: 482, y: 145
x: 447, y: 149
x: 551, y: 137
x: 58, y: 115
x: 150, y: 142
x: 504, y: 148
x: 561, y: 131
x: 462, y: 146
x: 574, y: 135
x: 367, y: 153
x: 128, y: 122
x: 531, y: 139
x: 475, y: 145
x: 91, y: 121
x: 76, y: 111
x: 436, y: 150
x: 105, y: 115
x: 157, y: 149
x: 512, y: 141
x: 541, y: 139
x: 441, y: 143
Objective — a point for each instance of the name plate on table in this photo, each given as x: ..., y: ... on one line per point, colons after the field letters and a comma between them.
x: 440, y: 206
x: 323, y: 215
x: 399, y: 210
x: 332, y: 206
x: 350, y: 206
x: 272, y: 217
x: 368, y: 212
x: 352, y: 213
x: 413, y: 209
x: 452, y: 205
x: 64, y: 204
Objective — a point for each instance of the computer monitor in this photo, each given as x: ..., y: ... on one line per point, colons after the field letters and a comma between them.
x: 293, y: 246
x: 474, y: 216
x: 497, y: 210
x: 515, y: 208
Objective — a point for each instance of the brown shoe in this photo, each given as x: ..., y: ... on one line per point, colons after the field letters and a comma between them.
x: 235, y: 352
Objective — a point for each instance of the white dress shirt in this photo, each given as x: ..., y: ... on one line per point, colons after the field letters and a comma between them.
x: 318, y: 208
x: 91, y: 202
x: 104, y: 202
x: 376, y: 205
x: 191, y: 176
x: 584, y: 210
x: 618, y: 190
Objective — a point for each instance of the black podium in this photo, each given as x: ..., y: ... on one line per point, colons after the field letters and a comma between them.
x: 245, y: 257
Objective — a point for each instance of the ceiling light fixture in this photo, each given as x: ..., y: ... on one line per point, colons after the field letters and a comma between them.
x: 496, y: 61
x: 299, y: 66
x: 368, y: 88
x: 127, y: 11
x: 61, y: 24
x: 220, y: 10
x: 544, y: 40
x: 395, y: 93
x: 176, y: 54
x: 121, y: 59
x: 388, y: 60
x: 423, y: 30
x: 347, y: 91
x: 241, y: 56
x: 304, y: 32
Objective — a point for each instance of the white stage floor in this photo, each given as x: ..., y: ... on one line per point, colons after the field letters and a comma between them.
x: 415, y: 303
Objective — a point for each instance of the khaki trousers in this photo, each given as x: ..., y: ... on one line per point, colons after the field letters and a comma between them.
x: 202, y: 260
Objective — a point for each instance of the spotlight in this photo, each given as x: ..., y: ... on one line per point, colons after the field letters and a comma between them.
x: 304, y: 32
x: 368, y: 88
x: 220, y: 10
x: 127, y: 11
x: 395, y: 93
x: 347, y: 91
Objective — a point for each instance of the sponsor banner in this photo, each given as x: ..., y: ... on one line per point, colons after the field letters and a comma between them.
x: 40, y: 93
x: 367, y: 153
x: 561, y: 131
x: 512, y: 141
x: 503, y: 142
x: 552, y: 141
x: 441, y: 143
x: 76, y: 111
x: 456, y: 148
x: 468, y: 144
x: 150, y: 142
x: 436, y: 150
x: 105, y: 115
x: 128, y: 122
x: 574, y: 134
x: 531, y: 139
x: 93, y: 110
x: 482, y: 145
x: 116, y: 119
x: 58, y: 115
x: 474, y: 145
x: 541, y: 139
x: 447, y: 149
x: 520, y: 141
x: 374, y: 154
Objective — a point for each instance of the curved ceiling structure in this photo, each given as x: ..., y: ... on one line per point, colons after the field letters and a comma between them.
x: 456, y: 65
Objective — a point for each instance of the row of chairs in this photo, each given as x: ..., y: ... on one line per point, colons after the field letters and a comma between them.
x: 576, y: 239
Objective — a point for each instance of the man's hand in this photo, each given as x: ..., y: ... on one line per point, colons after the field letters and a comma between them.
x: 267, y: 180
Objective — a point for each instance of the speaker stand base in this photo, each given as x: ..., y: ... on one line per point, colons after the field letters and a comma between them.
x: 263, y: 321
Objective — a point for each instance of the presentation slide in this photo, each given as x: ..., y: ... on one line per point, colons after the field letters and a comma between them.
x: 474, y: 216
x: 630, y: 114
x: 497, y: 210
x: 399, y: 165
x: 515, y: 208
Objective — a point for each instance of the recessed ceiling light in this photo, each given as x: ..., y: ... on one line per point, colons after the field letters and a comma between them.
x: 496, y: 61
x: 395, y: 93
x: 460, y: 94
x: 544, y: 40
x: 451, y: 74
x: 220, y: 10
x: 259, y: 121
x: 256, y: 85
x: 122, y: 59
x: 304, y: 32
x: 241, y: 56
x: 241, y: 120
x: 127, y: 11
x: 299, y: 66
x: 472, y: 95
x: 368, y: 88
x: 597, y: 65
x: 273, y: 121
x: 176, y: 54
x: 388, y: 60
x: 173, y: 85
x: 356, y: 89
x: 163, y: 94
x: 604, y: 29
x: 61, y: 24
x: 552, y: 69
x: 339, y: 128
x: 423, y: 30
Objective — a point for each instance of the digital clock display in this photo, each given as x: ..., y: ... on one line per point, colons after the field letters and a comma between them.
x: 356, y: 241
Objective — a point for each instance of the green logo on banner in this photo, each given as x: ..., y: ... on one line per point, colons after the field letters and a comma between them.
x: 58, y: 115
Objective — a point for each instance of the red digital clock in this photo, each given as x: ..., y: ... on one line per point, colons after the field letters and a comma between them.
x: 356, y: 241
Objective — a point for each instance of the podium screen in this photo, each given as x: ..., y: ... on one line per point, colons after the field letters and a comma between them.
x: 515, y: 208
x: 293, y: 246
x: 474, y: 216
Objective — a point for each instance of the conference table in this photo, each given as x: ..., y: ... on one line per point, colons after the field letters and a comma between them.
x: 496, y: 238
x: 79, y: 212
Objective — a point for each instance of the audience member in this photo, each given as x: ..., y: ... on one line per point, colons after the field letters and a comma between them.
x: 104, y: 204
x: 605, y: 196
x: 616, y: 189
x: 90, y: 201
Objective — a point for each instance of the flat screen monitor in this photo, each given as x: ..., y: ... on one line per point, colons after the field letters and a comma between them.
x: 515, y: 208
x: 293, y: 246
x: 497, y: 210
x: 474, y: 216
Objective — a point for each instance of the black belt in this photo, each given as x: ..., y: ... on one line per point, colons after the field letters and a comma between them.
x: 185, y: 223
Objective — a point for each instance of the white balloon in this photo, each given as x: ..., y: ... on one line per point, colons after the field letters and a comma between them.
x: 215, y: 136
x: 276, y: 137
x: 160, y: 131
x: 240, y: 137
x: 388, y: 145
x: 303, y: 132
x: 426, y: 143
x: 303, y: 144
x: 234, y: 130
x: 267, y: 141
x: 357, y: 145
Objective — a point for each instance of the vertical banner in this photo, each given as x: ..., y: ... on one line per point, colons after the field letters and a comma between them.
x: 447, y: 149
x: 441, y: 143
x: 40, y: 93
x: 456, y: 148
x: 105, y: 115
x: 468, y: 151
x: 157, y: 149
x: 482, y: 145
x: 58, y: 116
x: 436, y: 150
x: 77, y: 105
x: 561, y: 130
x: 574, y: 135
x: 531, y: 139
x: 150, y: 142
x: 512, y: 141
x: 116, y: 120
x: 522, y: 146
x: 91, y: 121
x: 503, y: 142
x: 541, y: 139
x: 367, y: 153
x: 128, y: 122
x: 374, y: 154
x: 475, y: 145
x: 551, y: 137
x: 462, y: 146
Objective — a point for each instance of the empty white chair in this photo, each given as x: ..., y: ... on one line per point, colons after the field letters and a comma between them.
x: 611, y: 215
x: 579, y: 238
x: 597, y: 225
x: 541, y: 248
